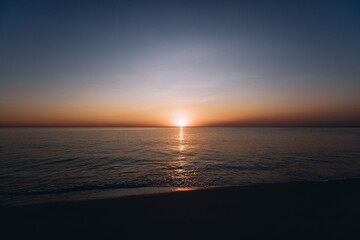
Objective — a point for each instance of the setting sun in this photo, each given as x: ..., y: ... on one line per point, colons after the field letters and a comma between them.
x: 181, y: 123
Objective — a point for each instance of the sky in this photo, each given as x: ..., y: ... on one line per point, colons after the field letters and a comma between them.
x: 155, y: 63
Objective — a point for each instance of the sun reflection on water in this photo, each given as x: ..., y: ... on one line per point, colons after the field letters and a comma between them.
x: 180, y: 173
x: 181, y: 139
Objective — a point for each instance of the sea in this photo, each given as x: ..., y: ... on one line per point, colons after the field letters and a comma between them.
x: 68, y: 164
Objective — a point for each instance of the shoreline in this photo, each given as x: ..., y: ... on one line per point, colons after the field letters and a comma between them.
x: 115, y: 193
x: 295, y: 210
x: 88, y: 195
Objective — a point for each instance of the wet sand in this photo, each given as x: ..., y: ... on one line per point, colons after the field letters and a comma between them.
x: 302, y: 210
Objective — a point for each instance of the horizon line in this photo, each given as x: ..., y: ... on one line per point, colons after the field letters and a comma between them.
x: 154, y: 126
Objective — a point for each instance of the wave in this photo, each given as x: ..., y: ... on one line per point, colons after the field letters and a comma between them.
x: 77, y: 189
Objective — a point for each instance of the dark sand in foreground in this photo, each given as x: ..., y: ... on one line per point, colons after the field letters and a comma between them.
x: 305, y: 210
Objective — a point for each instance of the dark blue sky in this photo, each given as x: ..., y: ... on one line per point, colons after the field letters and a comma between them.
x: 247, y: 60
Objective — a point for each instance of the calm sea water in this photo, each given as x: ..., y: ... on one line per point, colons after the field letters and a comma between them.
x: 46, y: 164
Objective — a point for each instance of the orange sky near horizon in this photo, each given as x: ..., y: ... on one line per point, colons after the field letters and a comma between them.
x: 200, y: 114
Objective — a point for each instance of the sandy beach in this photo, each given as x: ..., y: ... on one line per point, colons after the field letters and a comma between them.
x: 302, y: 210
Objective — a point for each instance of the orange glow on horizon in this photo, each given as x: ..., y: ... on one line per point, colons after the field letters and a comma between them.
x: 216, y: 114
